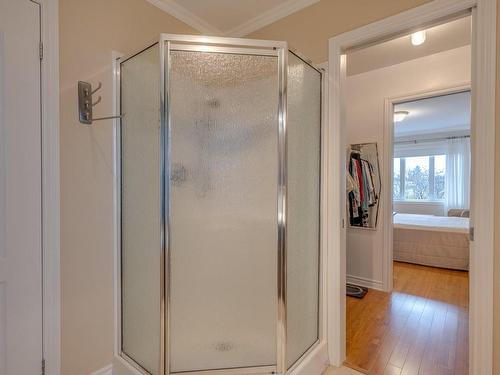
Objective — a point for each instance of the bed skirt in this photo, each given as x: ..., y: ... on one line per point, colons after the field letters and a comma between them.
x: 432, y: 248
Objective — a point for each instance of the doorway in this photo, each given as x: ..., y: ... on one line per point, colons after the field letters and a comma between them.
x: 483, y: 116
x: 427, y: 132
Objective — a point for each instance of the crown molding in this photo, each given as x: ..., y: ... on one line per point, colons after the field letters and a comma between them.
x: 272, y: 15
x: 184, y: 15
x: 178, y: 11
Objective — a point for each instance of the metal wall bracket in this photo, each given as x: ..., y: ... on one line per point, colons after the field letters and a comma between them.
x: 85, y: 103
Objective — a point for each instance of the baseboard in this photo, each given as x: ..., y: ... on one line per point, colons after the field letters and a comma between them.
x: 315, y: 363
x: 108, y: 370
x: 122, y: 367
x: 367, y: 283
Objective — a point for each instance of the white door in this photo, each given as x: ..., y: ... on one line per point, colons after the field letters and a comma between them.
x: 20, y: 189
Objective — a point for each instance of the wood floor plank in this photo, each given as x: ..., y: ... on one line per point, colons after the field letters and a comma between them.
x: 408, y: 335
x: 416, y: 352
x: 419, y: 328
x: 429, y: 364
x: 392, y: 370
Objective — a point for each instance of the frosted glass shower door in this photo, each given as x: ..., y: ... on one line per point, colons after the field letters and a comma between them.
x: 140, y: 210
x: 223, y: 210
x: 303, y: 207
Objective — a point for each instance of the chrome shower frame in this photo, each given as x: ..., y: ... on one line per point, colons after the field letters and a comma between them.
x: 173, y: 42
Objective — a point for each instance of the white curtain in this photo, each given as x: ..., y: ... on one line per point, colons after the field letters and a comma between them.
x: 457, y: 176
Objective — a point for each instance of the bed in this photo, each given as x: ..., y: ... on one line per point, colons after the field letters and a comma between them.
x: 438, y: 241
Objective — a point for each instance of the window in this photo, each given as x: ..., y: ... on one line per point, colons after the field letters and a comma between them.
x: 419, y: 178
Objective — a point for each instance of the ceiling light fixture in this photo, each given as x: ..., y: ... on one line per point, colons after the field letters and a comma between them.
x: 400, y: 115
x: 418, y: 38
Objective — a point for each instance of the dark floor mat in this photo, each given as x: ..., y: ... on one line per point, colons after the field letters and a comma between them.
x: 356, y: 291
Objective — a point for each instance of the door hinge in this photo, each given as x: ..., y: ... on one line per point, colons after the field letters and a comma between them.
x: 471, y: 234
x: 40, y: 50
x: 43, y: 366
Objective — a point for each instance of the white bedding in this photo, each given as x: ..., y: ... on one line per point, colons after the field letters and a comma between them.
x: 430, y: 222
x: 432, y: 240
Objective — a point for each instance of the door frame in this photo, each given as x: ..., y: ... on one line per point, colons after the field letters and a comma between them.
x: 51, y: 296
x: 388, y: 169
x: 483, y: 118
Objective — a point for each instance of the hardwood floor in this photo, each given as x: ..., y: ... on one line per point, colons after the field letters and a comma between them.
x: 420, y: 328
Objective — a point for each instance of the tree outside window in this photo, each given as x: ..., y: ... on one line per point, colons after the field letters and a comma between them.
x: 422, y: 180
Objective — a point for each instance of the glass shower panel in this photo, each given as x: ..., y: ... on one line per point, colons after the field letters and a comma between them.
x: 223, y: 213
x: 140, y: 209
x: 303, y: 206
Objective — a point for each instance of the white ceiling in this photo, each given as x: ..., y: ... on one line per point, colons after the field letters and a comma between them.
x: 234, y: 18
x: 440, y: 114
x: 450, y: 35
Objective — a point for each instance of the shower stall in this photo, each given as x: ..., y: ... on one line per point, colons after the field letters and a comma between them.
x: 219, y: 160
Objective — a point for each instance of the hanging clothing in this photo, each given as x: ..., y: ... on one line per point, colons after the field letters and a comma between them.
x: 369, y: 185
x: 350, y: 183
x: 359, y: 173
x: 355, y: 195
x: 355, y: 178
x: 361, y: 190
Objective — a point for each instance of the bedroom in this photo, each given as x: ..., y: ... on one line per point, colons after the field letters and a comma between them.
x: 408, y: 157
x: 431, y: 177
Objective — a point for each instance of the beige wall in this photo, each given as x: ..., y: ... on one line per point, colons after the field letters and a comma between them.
x: 89, y: 31
x: 309, y: 31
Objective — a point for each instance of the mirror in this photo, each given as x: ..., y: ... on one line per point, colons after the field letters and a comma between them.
x: 363, y: 185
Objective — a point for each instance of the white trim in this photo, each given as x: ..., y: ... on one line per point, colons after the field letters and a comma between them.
x: 272, y: 15
x: 122, y: 367
x: 50, y: 187
x: 483, y: 101
x: 387, y: 171
x: 332, y: 217
x: 323, y: 328
x: 108, y: 370
x: 315, y: 362
x: 178, y: 11
x: 336, y: 212
x: 367, y: 283
x: 482, y: 187
x: 281, y: 11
